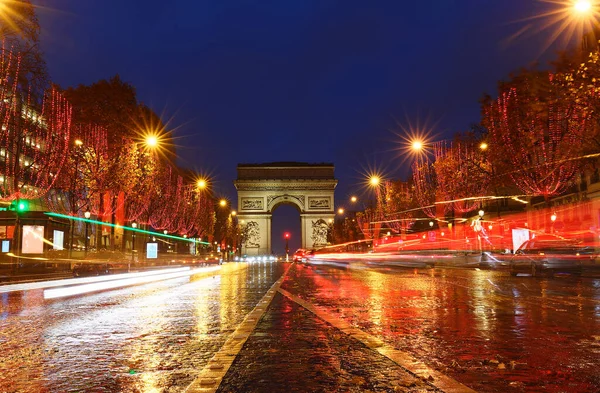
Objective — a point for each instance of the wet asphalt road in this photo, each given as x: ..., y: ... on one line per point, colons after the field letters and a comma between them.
x: 487, y: 330
x: 148, y: 338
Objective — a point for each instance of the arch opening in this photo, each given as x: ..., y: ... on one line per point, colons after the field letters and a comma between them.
x: 285, y: 219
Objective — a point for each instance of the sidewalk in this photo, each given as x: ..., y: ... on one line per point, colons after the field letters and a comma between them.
x: 292, y: 350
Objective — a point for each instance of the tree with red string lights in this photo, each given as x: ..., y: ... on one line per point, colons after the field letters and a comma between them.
x: 581, y: 81
x: 205, y: 222
x: 462, y: 171
x: 534, y: 130
x: 79, y: 186
x: 33, y: 139
x: 365, y: 219
x: 20, y: 31
x: 425, y: 185
x: 397, y: 198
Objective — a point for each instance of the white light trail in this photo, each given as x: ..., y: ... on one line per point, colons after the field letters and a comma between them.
x: 124, y: 282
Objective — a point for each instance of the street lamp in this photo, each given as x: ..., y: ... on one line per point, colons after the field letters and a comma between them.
x: 417, y: 145
x: 87, y: 215
x: 374, y: 180
x: 582, y: 6
x: 552, y: 218
x: 223, y: 203
x: 201, y: 183
x: 134, y: 226
x: 151, y: 140
x: 481, y: 213
x: 353, y: 199
x: 287, y: 248
x: 341, y: 211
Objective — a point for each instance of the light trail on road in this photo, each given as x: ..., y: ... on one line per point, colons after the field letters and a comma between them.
x: 122, y: 282
x: 85, y: 280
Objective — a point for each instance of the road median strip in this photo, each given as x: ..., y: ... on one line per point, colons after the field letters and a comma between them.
x: 403, y: 359
x: 209, y: 379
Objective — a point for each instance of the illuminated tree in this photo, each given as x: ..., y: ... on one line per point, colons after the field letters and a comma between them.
x: 398, y: 202
x: 33, y: 143
x: 535, y: 131
x: 365, y: 219
x: 111, y: 104
x: 425, y: 185
x: 205, y: 222
x: 462, y: 171
x: 581, y: 81
x: 20, y: 32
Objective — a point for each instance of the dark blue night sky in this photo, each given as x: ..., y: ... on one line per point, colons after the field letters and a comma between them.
x: 313, y: 81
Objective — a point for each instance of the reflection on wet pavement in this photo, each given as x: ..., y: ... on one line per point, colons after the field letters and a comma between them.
x: 492, y: 332
x: 293, y: 350
x: 150, y: 338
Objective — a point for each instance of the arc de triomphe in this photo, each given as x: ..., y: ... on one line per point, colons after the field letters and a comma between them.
x: 261, y: 188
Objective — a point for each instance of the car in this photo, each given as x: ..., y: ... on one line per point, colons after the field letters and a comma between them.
x: 298, y: 255
x: 90, y: 269
x: 546, y: 256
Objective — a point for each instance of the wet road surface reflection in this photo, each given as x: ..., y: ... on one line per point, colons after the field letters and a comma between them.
x: 490, y: 331
x: 148, y: 338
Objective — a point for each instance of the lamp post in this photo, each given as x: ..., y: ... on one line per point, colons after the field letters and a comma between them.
x: 287, y: 248
x: 87, y: 216
x: 134, y: 226
x: 480, y: 229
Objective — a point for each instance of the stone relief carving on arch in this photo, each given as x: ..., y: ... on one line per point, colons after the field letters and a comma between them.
x: 252, y: 234
x: 319, y: 232
x: 319, y: 203
x: 252, y: 203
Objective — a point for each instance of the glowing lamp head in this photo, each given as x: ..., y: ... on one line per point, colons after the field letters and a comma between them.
x: 152, y: 140
x: 582, y: 6
x: 233, y: 212
x: 483, y: 146
x: 341, y: 210
x: 481, y: 213
x: 223, y: 203
x: 553, y: 217
x: 87, y: 214
x: 134, y: 225
x: 78, y: 142
x: 286, y: 235
x: 353, y: 199
x: 374, y: 181
x: 201, y: 183
x: 417, y: 145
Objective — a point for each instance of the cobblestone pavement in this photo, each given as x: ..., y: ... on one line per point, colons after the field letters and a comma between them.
x: 292, y: 350
x: 487, y: 330
x: 148, y: 338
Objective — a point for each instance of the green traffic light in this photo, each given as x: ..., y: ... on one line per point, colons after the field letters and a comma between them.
x: 22, y: 206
